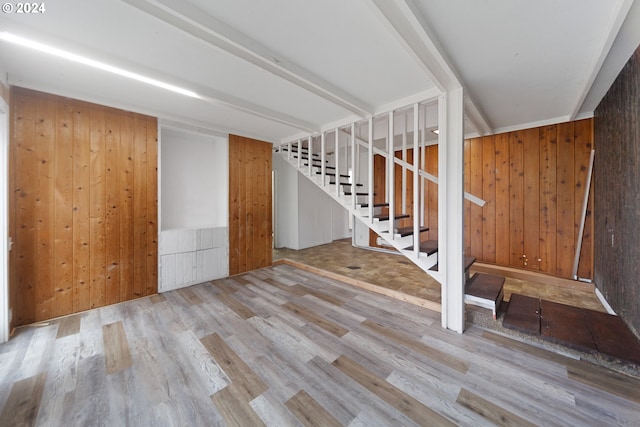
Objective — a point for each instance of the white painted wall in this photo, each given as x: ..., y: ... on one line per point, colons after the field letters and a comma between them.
x: 286, y: 204
x: 305, y: 215
x: 194, y: 178
x: 194, y: 208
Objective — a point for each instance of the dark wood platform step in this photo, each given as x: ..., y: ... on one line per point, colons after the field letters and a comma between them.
x: 385, y: 217
x: 485, y: 290
x: 582, y: 329
x: 408, y: 231
x: 332, y: 174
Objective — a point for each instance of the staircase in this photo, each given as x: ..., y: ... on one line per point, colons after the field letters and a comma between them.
x: 326, y: 169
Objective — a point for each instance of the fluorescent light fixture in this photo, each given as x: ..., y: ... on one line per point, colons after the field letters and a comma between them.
x: 436, y: 131
x: 92, y: 63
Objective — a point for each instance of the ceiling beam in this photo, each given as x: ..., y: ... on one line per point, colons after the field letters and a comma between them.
x: 209, y: 29
x: 618, y: 17
x: 407, y: 23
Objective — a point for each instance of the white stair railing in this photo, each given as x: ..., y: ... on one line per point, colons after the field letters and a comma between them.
x: 353, y: 203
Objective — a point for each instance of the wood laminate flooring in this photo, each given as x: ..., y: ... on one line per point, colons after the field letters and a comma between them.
x: 285, y: 347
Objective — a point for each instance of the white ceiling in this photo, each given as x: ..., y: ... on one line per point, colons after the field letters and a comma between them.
x: 282, y: 68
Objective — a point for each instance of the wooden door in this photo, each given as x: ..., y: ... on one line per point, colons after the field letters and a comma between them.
x: 83, y: 206
x: 250, y: 234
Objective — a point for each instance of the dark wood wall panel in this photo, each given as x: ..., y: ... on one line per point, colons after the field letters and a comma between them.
x: 250, y: 213
x: 84, y: 206
x: 617, y: 194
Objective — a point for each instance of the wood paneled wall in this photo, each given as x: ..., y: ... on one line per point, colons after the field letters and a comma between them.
x: 83, y: 215
x: 533, y: 182
x: 617, y: 189
x: 250, y: 228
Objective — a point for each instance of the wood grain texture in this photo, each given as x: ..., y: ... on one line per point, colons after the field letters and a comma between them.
x: 406, y: 404
x: 309, y: 412
x: 531, y: 197
x: 116, y: 348
x: 490, y: 411
x: 250, y: 238
x: 72, y: 214
x: 203, y: 364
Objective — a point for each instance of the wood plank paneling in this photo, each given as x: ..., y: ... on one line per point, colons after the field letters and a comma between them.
x: 503, y: 255
x: 249, y: 204
x: 531, y: 198
x: 73, y: 210
x: 489, y: 195
x: 516, y: 199
x: 548, y: 198
x: 475, y: 172
x: 525, y: 194
x: 565, y: 190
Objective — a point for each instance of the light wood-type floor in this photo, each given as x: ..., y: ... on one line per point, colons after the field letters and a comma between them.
x: 395, y: 273
x: 285, y: 347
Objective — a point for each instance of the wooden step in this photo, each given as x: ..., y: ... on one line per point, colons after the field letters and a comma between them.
x: 485, y: 290
x: 523, y: 314
x: 359, y: 193
x: 346, y: 184
x: 375, y: 205
x: 385, y: 217
x: 307, y: 158
x: 332, y: 174
x: 304, y: 152
x: 319, y: 166
x: 408, y: 231
x: 428, y: 247
x: 468, y: 261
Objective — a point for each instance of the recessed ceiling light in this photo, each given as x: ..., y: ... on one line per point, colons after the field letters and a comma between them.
x: 11, y: 38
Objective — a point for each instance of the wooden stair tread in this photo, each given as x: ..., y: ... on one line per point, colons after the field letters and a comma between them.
x: 523, y: 314
x: 319, y: 166
x: 408, y: 231
x: 358, y: 193
x: 385, y: 217
x: 346, y: 184
x: 375, y: 205
x: 468, y: 261
x: 429, y: 247
x: 485, y: 286
x: 332, y: 174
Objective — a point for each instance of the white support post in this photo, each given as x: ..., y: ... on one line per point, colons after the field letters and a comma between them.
x: 391, y: 162
x: 404, y: 170
x: 423, y: 166
x: 309, y: 151
x: 354, y: 164
x: 370, y: 171
x: 289, y: 151
x: 416, y: 187
x: 299, y: 152
x: 451, y: 207
x: 323, y: 158
x: 337, y: 162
